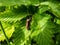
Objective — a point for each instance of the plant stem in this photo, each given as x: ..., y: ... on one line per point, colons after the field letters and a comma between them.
x: 4, y: 33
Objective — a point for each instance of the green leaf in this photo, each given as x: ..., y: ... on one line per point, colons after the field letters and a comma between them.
x: 21, y: 34
x: 54, y: 8
x: 17, y: 2
x: 42, y: 29
x: 57, y: 21
x: 8, y: 28
x: 13, y: 14
x: 43, y: 9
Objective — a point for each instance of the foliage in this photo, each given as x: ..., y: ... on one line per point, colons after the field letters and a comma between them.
x: 29, y: 22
